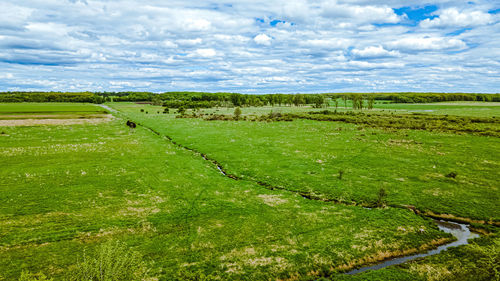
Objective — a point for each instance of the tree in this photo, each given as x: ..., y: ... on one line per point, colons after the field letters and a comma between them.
x: 381, y: 197
x: 370, y: 101
x: 156, y: 100
x: 318, y: 101
x: 237, y: 113
x: 181, y: 110
x: 344, y: 97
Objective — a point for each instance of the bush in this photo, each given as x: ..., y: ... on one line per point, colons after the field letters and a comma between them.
x: 237, y: 112
x: 451, y: 175
x: 111, y: 261
x: 381, y: 197
x: 26, y: 276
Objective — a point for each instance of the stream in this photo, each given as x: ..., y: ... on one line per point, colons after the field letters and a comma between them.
x: 459, y: 230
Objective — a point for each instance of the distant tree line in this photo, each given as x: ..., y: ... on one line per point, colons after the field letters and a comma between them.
x: 51, y: 97
x: 408, y: 97
x: 208, y: 100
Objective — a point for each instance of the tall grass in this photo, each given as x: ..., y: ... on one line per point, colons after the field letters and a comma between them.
x: 112, y: 261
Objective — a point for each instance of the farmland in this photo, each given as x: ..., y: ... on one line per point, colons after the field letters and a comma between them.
x: 304, y: 200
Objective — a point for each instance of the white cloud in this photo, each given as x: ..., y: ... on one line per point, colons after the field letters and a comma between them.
x: 453, y: 18
x: 316, y: 46
x: 206, y: 53
x: 197, y: 25
x: 374, y: 52
x: 13, y: 16
x: 330, y: 43
x: 262, y: 39
x: 190, y: 42
x: 378, y: 14
x: 371, y: 65
x: 427, y: 44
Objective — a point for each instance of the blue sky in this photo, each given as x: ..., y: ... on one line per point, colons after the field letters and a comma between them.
x: 250, y: 46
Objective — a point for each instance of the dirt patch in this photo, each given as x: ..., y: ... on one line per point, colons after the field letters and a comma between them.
x: 48, y: 121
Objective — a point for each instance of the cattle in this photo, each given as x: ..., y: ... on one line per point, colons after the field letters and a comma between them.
x: 131, y: 124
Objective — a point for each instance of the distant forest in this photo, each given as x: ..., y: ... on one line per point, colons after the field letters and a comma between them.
x: 207, y: 100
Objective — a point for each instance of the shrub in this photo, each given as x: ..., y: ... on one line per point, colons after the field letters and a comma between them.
x: 381, y: 197
x: 341, y: 173
x: 27, y: 276
x: 111, y: 261
x: 237, y: 113
x: 451, y: 175
x: 181, y: 110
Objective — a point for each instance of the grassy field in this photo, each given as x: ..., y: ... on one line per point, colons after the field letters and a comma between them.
x: 459, y: 108
x: 48, y: 110
x: 308, y: 156
x: 476, y: 109
x: 67, y: 190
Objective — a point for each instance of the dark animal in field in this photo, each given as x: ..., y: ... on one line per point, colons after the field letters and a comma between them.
x: 131, y: 124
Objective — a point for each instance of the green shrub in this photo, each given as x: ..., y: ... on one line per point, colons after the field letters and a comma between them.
x: 381, y: 197
x: 27, y: 276
x: 112, y: 261
x: 237, y: 112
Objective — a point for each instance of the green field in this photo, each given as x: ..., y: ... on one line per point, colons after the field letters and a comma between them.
x: 44, y: 110
x: 66, y: 190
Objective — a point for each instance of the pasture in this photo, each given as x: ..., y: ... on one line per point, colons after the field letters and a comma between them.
x: 298, y: 211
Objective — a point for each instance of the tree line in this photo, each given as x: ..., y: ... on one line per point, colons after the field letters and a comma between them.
x: 51, y: 97
x: 222, y: 99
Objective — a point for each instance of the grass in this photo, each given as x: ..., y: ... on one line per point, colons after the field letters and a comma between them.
x: 69, y: 189
x: 459, y: 108
x: 68, y: 192
x: 52, y: 110
x: 307, y: 156
x: 476, y: 109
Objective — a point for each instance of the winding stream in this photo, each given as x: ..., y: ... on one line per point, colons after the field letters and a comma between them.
x: 459, y: 230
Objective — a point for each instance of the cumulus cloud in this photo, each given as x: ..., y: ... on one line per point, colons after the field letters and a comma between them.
x: 374, y: 52
x: 327, y: 43
x: 262, y: 39
x: 206, y: 53
x: 247, y: 46
x: 372, y: 14
x: 452, y: 17
x: 427, y: 44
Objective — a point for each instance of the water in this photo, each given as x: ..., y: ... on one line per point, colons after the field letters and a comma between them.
x: 460, y: 231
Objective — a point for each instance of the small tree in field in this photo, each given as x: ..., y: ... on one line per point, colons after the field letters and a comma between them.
x: 237, y: 113
x: 156, y: 100
x: 381, y: 197
x: 370, y: 102
x: 181, y: 110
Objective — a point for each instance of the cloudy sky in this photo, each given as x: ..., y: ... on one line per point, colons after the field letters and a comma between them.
x: 257, y: 46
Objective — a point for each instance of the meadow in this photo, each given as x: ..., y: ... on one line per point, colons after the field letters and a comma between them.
x: 34, y: 110
x: 68, y: 190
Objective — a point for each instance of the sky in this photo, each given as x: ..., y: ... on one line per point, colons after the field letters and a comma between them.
x: 257, y: 46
